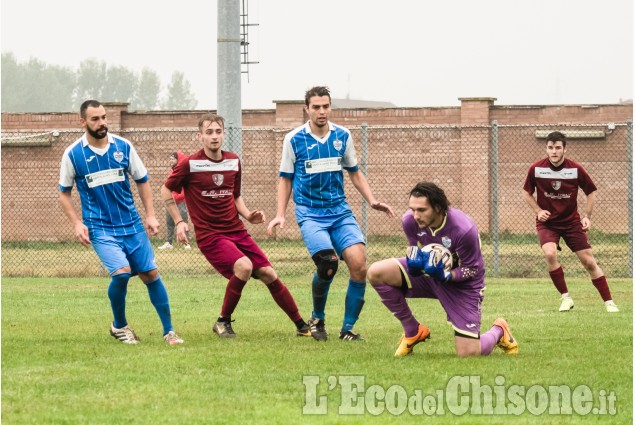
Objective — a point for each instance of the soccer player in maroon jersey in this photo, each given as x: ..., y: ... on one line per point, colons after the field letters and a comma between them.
x: 211, y: 179
x: 555, y: 180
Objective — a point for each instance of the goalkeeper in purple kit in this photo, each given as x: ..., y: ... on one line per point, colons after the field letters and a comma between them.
x: 459, y: 290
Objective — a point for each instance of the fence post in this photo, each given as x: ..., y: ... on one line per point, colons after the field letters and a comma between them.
x: 629, y: 149
x: 493, y: 213
x: 364, y: 167
x: 233, y: 140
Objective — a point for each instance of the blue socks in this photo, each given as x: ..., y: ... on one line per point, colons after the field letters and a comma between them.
x: 117, y: 293
x: 354, y: 303
x: 159, y: 299
x: 320, y: 291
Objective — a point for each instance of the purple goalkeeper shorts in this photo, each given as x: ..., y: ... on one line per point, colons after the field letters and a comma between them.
x: 223, y: 250
x: 461, y: 301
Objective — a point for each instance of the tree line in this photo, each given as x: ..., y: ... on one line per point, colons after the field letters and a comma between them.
x: 35, y: 86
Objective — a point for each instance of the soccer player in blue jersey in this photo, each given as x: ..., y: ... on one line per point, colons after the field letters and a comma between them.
x: 460, y: 290
x: 314, y: 156
x: 100, y: 165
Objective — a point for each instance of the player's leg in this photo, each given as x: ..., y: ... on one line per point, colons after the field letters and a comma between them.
x: 141, y: 257
x: 578, y: 241
x: 110, y: 252
x: 169, y: 225
x: 318, y: 243
x: 348, y: 240
x: 597, y: 278
x: 549, y: 240
x: 281, y: 295
x: 392, y: 282
x: 230, y: 262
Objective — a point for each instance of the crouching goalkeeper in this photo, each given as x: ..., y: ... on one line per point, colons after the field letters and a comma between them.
x: 459, y: 290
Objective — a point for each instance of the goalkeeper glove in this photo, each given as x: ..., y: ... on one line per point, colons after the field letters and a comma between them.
x: 437, y: 270
x: 416, y: 260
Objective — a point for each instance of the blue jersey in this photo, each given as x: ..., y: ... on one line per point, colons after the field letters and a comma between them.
x: 315, y: 165
x: 101, y: 177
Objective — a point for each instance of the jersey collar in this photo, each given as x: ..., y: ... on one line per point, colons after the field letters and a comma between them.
x: 307, y: 128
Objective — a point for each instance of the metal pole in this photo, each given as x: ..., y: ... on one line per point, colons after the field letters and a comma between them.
x: 228, y: 69
x: 364, y: 167
x: 494, y: 231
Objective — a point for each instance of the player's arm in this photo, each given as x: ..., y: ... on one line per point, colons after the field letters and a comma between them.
x: 181, y: 226
x: 145, y: 193
x: 588, y: 211
x: 541, y: 215
x: 361, y: 184
x: 284, y: 193
x: 254, y: 217
x: 80, y: 229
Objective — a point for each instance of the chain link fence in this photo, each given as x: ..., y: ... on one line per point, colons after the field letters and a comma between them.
x: 481, y: 168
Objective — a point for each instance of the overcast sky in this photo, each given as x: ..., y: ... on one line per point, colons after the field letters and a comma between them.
x: 410, y: 53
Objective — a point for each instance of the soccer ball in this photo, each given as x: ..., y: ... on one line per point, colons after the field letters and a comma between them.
x: 439, y: 253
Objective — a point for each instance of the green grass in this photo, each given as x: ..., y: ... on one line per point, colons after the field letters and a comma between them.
x: 60, y: 366
x: 519, y: 257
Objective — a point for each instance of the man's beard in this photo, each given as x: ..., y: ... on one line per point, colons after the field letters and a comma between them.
x: 97, y: 135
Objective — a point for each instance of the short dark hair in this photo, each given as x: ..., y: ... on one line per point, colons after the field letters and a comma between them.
x: 92, y: 103
x: 211, y: 118
x: 436, y: 195
x: 316, y: 91
x: 556, y: 136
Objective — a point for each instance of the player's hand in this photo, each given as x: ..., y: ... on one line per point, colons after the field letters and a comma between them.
x: 81, y: 233
x: 380, y: 206
x: 278, y: 221
x: 436, y: 270
x: 256, y: 217
x: 152, y: 225
x: 181, y: 232
x: 416, y: 260
x: 543, y: 215
x: 586, y: 224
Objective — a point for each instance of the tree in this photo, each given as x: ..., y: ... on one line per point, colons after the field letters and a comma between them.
x: 34, y: 86
x: 120, y: 85
x: 180, y: 96
x: 90, y: 80
x: 148, y: 90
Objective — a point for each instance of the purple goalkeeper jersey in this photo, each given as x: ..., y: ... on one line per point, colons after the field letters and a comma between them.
x: 459, y: 234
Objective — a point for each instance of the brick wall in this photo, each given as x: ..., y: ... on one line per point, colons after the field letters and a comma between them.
x: 453, y: 150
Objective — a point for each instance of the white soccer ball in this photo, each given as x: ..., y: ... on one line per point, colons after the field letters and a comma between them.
x: 439, y: 253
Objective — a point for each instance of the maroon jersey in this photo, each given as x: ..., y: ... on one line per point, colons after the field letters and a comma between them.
x: 211, y: 188
x: 557, y: 189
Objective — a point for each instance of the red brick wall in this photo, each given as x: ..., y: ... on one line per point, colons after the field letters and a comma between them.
x: 455, y: 154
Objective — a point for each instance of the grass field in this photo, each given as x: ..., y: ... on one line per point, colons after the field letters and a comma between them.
x: 519, y: 256
x: 60, y: 366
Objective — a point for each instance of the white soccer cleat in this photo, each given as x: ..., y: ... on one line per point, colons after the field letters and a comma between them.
x: 166, y: 245
x: 125, y: 334
x: 611, y: 307
x: 566, y: 304
x: 172, y: 338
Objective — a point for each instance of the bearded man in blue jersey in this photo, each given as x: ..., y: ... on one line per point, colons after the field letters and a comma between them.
x: 100, y: 164
x: 314, y: 156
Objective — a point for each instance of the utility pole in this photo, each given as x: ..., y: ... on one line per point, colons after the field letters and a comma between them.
x: 229, y: 73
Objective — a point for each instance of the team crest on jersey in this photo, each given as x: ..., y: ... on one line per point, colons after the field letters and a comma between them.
x: 337, y: 144
x: 556, y: 184
x: 447, y: 242
x: 218, y: 179
x: 118, y: 156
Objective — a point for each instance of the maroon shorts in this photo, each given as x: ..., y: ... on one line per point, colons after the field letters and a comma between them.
x: 575, y: 238
x: 222, y: 251
x: 461, y: 301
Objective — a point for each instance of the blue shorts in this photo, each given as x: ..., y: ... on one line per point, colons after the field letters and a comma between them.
x: 116, y: 252
x: 330, y: 231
